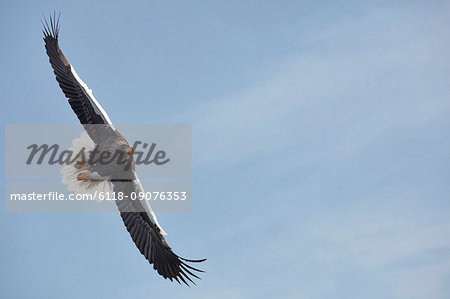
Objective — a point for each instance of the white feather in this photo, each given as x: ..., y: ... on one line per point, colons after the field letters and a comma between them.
x: 100, y: 184
x: 69, y: 172
x: 148, y: 208
x: 94, y: 102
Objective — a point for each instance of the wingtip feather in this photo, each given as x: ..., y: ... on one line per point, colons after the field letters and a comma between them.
x: 51, y: 27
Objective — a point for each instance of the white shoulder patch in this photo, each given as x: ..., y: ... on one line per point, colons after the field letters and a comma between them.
x: 94, y: 102
x: 148, y: 208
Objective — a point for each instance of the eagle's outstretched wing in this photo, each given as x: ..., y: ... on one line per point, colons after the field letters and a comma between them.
x: 148, y: 237
x: 81, y: 99
x: 137, y: 216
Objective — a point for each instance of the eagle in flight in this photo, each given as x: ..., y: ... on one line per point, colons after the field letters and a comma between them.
x: 137, y: 215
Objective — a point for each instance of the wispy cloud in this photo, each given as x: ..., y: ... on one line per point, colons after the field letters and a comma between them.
x: 338, y: 133
x: 344, y: 87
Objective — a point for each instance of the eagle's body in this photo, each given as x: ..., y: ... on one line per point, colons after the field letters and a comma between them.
x: 137, y: 215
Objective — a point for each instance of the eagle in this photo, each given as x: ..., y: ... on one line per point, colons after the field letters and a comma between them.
x: 137, y: 215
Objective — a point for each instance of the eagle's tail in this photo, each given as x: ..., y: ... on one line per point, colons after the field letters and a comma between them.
x: 77, y: 175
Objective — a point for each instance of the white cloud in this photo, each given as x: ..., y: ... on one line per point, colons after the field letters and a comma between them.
x: 376, y: 73
x: 345, y: 114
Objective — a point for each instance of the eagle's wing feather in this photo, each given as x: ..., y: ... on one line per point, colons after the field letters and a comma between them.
x: 80, y: 97
x: 147, y: 235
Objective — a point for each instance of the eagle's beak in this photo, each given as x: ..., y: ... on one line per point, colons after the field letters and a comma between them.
x: 130, y: 150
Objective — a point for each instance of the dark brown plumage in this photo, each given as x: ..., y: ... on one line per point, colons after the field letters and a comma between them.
x: 145, y: 233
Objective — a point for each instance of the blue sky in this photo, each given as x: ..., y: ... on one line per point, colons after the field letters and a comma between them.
x: 320, y: 145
